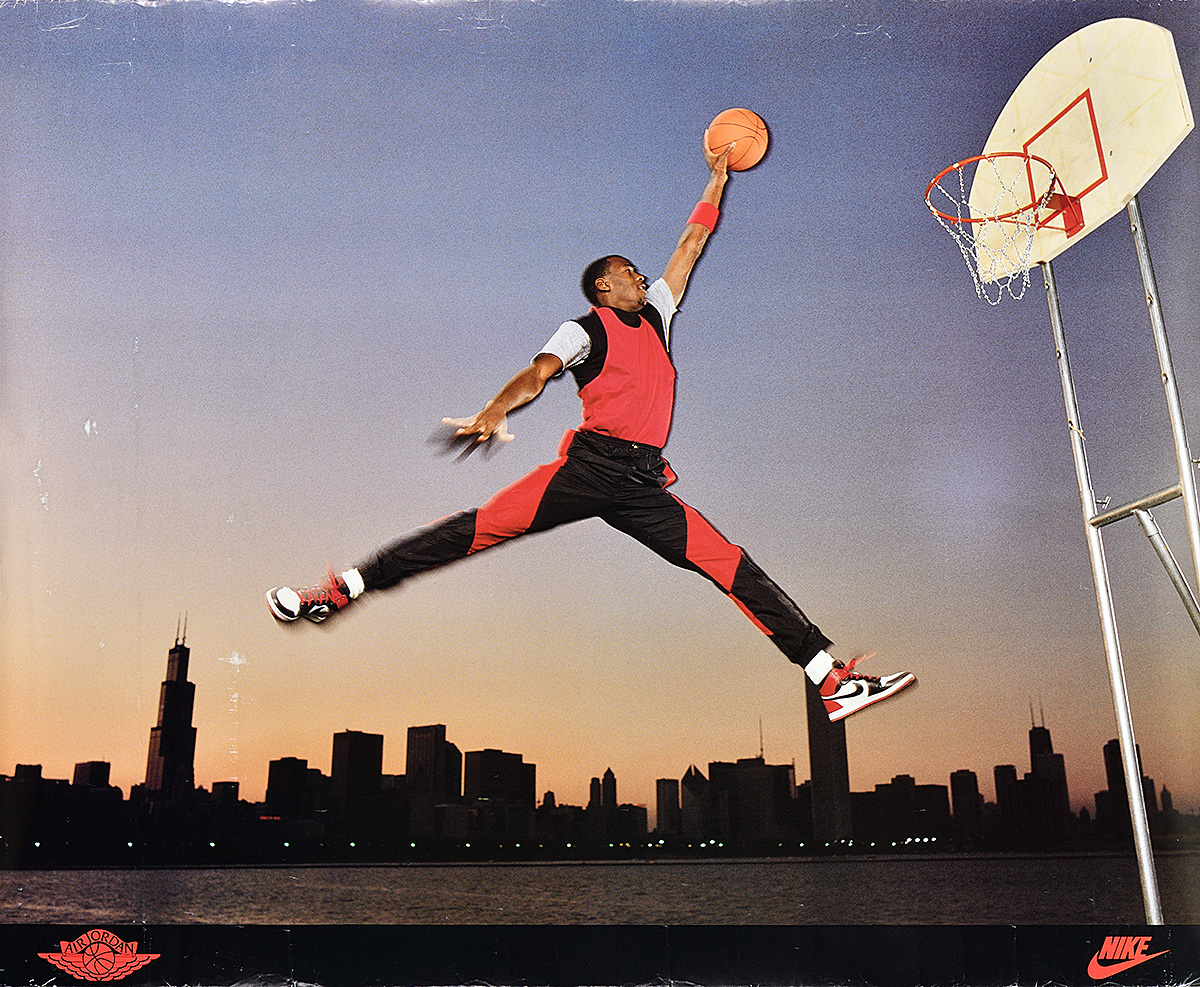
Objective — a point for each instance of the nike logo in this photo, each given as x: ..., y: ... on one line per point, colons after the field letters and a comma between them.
x: 1126, y: 952
x: 848, y: 690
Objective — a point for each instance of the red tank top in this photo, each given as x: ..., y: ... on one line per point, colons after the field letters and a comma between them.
x: 633, y: 395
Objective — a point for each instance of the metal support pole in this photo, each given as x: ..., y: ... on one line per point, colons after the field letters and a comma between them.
x: 1108, y: 626
x: 1150, y: 527
x: 1141, y: 510
x: 1187, y: 479
x: 1142, y: 504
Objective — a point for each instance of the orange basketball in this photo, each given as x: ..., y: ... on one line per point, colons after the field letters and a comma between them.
x: 743, y: 126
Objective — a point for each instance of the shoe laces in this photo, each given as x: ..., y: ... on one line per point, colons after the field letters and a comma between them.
x: 326, y: 592
x: 846, y: 671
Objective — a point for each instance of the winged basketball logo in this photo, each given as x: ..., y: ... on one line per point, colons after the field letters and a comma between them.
x: 99, y: 956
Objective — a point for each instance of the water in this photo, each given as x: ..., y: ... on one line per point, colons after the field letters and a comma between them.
x: 992, y: 889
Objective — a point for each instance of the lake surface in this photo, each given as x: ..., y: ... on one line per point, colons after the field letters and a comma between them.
x: 992, y: 889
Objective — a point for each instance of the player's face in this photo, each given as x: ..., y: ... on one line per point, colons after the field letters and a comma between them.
x: 626, y: 286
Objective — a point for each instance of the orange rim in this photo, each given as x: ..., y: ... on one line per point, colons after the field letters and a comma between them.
x: 997, y: 217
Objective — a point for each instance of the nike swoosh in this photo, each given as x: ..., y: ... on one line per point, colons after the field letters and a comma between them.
x: 1098, y: 971
x: 848, y: 690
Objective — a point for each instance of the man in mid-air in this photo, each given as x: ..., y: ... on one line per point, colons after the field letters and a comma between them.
x: 610, y: 467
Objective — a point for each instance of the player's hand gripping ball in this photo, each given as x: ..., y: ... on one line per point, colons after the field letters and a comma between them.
x: 747, y: 129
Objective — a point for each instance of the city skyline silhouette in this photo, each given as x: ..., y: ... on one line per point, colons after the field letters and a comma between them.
x: 688, y: 811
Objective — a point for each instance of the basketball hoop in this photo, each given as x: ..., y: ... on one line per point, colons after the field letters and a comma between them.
x: 994, y: 224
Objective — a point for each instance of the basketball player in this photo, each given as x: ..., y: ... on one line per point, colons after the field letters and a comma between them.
x: 610, y: 467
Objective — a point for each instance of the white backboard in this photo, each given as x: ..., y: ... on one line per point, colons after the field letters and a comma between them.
x: 1106, y: 107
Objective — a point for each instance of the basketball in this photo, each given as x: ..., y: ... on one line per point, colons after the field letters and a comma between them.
x: 744, y: 126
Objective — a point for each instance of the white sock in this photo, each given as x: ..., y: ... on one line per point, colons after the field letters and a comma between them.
x: 354, y: 583
x: 820, y: 666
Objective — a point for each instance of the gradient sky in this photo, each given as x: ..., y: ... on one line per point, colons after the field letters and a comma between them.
x: 250, y: 254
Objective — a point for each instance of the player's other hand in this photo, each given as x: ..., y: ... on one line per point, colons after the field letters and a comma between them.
x: 466, y: 435
x: 482, y: 427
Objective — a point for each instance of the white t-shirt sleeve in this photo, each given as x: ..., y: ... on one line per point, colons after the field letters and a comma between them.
x: 570, y: 343
x: 661, y: 297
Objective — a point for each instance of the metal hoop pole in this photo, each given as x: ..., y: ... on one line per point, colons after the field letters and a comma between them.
x: 1108, y: 625
x: 1165, y: 556
x: 1187, y: 480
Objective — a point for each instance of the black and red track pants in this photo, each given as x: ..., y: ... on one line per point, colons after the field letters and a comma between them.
x: 623, y: 484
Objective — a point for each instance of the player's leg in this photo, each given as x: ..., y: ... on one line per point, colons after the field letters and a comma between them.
x: 684, y: 537
x: 681, y: 535
x: 550, y: 495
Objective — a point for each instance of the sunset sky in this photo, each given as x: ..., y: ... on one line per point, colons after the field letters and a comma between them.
x: 251, y: 254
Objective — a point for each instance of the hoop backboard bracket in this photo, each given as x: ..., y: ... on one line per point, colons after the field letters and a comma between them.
x: 1065, y: 209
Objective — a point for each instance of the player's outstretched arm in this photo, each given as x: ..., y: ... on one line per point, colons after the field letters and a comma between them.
x: 695, y: 234
x: 525, y: 385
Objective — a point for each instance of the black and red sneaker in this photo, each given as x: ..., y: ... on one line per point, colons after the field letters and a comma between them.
x: 846, y: 691
x: 314, y: 603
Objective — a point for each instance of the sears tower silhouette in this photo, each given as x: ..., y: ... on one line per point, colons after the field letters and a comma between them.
x: 170, y: 766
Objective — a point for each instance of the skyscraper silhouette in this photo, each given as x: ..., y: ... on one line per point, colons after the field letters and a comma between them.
x: 170, y: 765
x: 1048, y: 776
x: 92, y: 774
x: 830, y: 770
x: 764, y: 802
x: 433, y: 765
x: 355, y: 783
x: 1035, y: 807
x: 608, y: 789
x: 696, y: 823
x: 357, y: 771
x: 1008, y: 803
x: 602, y: 808
x: 1114, y: 770
x: 499, y: 776
x: 668, y: 813
x: 967, y: 805
x: 499, y: 795
x: 1112, y: 805
x: 433, y: 775
x: 288, y: 790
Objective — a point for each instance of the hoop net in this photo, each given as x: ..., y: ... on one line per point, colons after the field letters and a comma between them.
x: 994, y: 217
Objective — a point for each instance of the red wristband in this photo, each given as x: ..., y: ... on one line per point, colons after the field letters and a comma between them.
x: 705, y: 214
